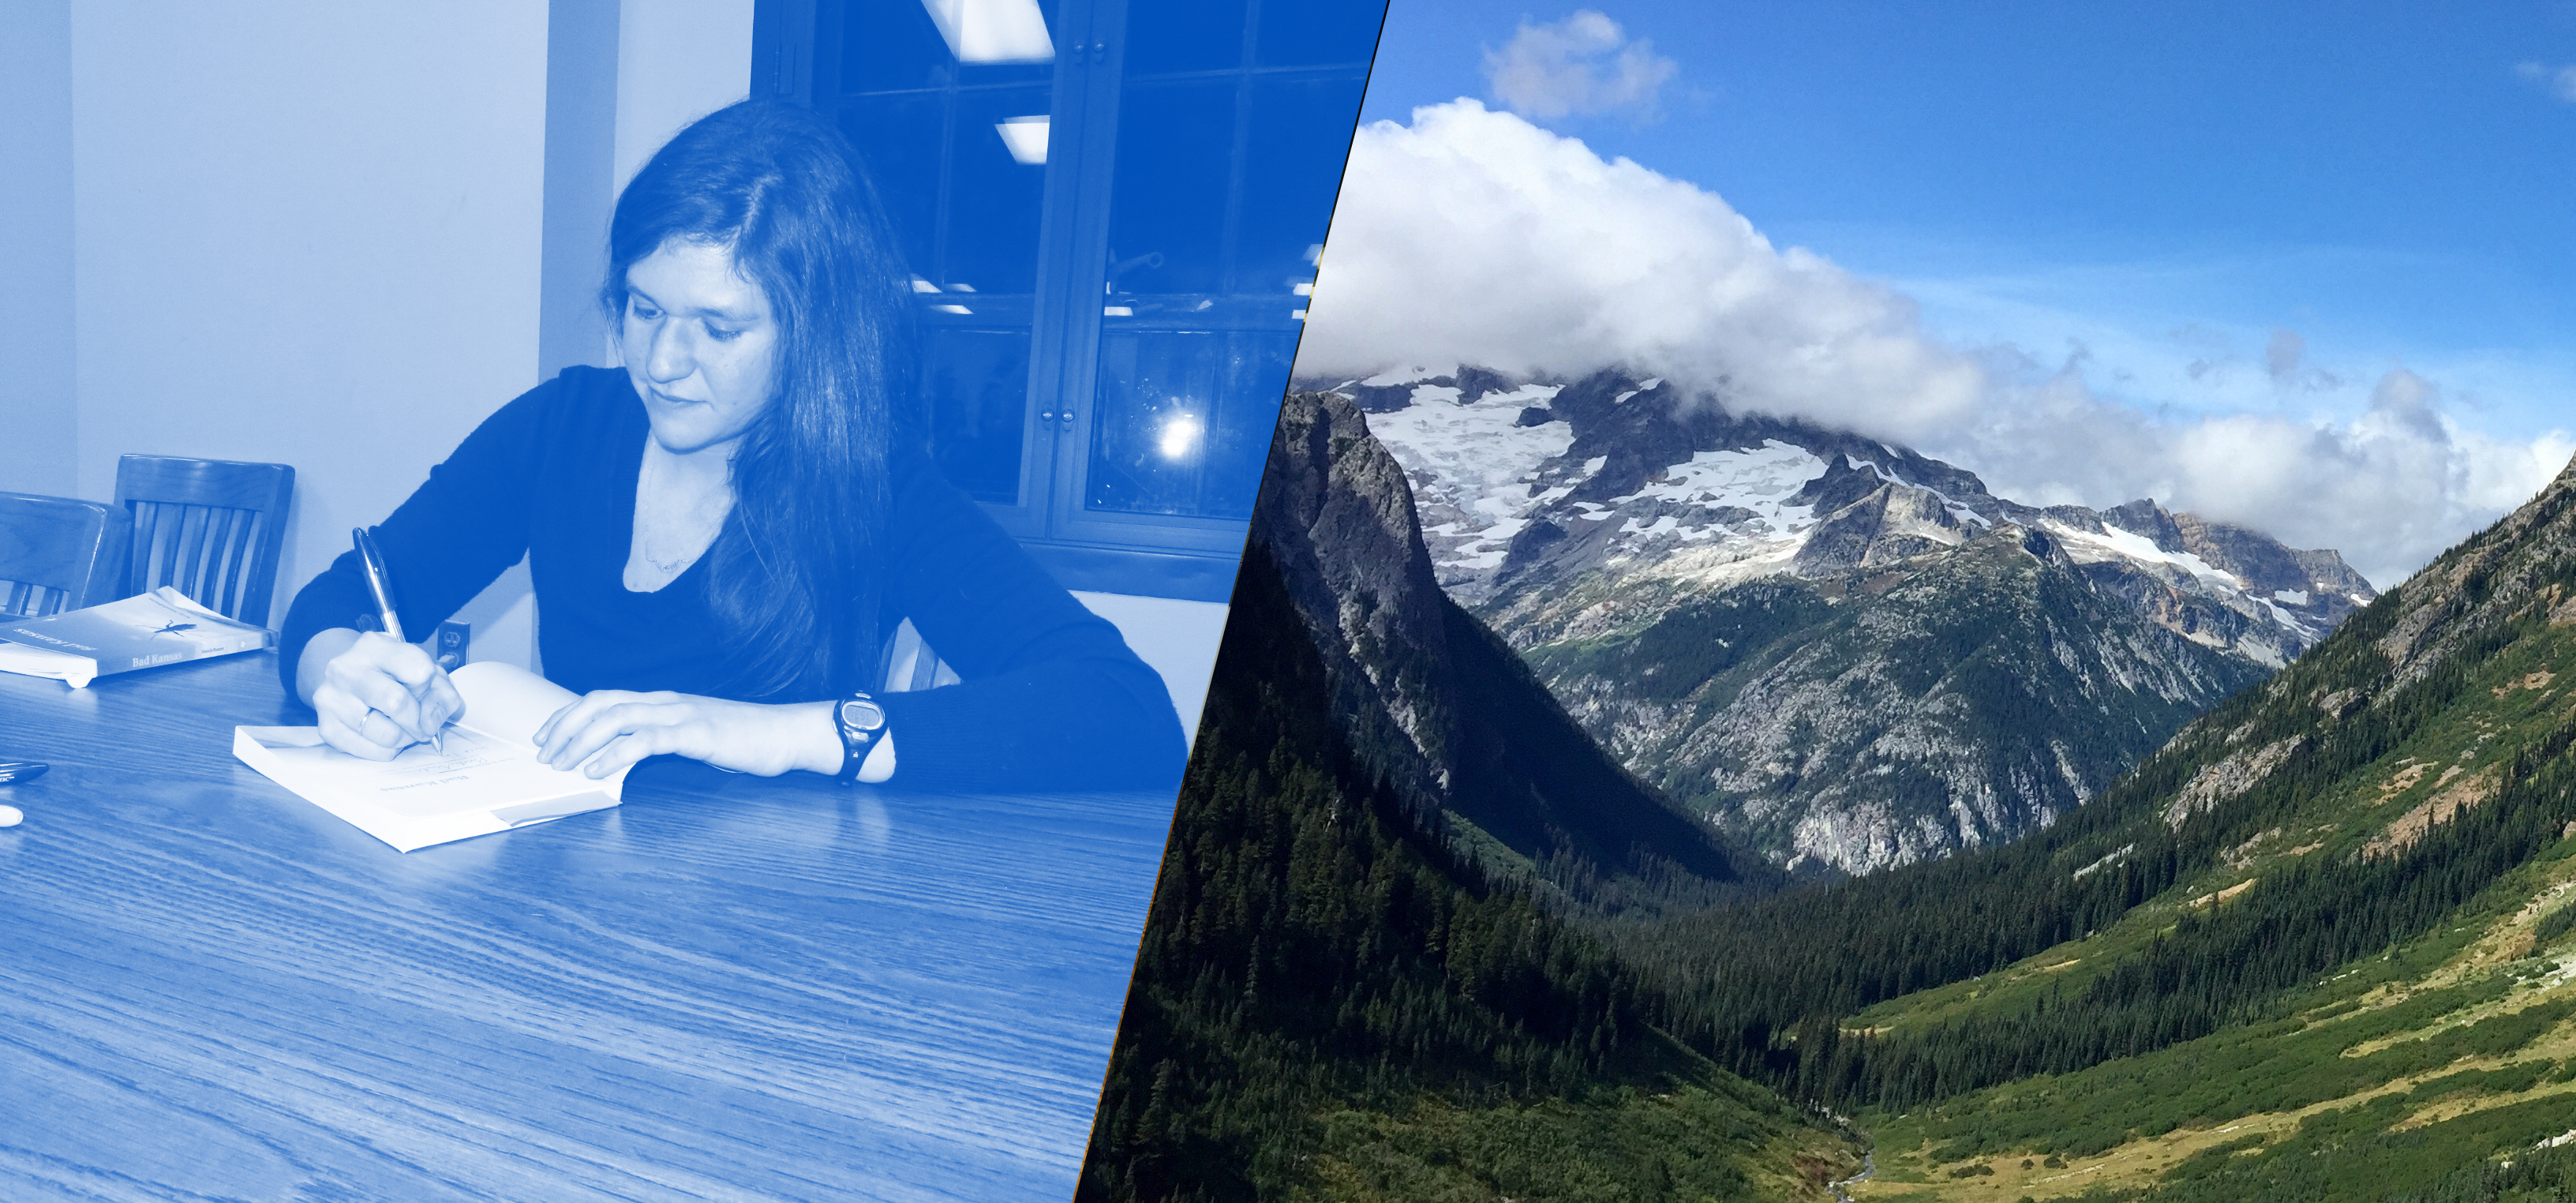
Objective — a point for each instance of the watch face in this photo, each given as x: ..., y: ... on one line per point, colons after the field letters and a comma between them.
x: 860, y: 714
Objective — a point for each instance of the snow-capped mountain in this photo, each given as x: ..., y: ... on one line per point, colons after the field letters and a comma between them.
x: 1524, y: 480
x: 1850, y: 654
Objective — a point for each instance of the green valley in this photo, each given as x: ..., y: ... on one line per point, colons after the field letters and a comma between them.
x: 2320, y: 945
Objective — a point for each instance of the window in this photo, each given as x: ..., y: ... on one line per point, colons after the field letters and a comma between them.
x: 1112, y: 211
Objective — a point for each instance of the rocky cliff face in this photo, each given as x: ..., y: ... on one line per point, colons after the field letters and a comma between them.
x: 1338, y: 516
x: 1441, y: 708
x: 1908, y: 708
x: 1750, y: 612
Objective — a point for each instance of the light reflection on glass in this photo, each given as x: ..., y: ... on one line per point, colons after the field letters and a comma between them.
x: 1025, y: 137
x: 1180, y: 436
x: 992, y: 31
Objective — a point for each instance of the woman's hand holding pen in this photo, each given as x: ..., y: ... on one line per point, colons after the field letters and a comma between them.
x: 610, y: 729
x: 375, y: 694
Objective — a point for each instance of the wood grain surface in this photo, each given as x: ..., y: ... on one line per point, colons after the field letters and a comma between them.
x: 727, y: 988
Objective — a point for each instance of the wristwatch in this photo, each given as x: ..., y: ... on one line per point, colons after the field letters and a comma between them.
x: 862, y: 723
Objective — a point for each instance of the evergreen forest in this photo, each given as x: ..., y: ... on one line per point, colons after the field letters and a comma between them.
x: 2316, y: 947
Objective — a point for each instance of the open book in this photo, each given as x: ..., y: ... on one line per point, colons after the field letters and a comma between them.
x: 489, y: 779
x: 160, y: 627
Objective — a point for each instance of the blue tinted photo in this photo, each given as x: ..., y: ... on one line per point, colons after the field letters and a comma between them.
x: 856, y: 405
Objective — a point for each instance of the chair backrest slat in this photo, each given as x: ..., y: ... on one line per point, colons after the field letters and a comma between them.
x: 238, y: 563
x: 188, y: 550
x: 211, y: 528
x: 57, y: 553
x: 220, y: 528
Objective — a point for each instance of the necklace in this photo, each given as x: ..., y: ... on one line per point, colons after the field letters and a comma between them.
x: 692, y: 533
x: 676, y: 518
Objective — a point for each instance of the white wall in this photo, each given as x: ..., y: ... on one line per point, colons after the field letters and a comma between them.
x: 1178, y: 638
x: 677, y: 61
x: 39, y: 423
x: 307, y: 231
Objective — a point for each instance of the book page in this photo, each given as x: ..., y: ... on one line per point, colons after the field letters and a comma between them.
x: 486, y: 778
x: 478, y: 772
x: 76, y: 671
x: 475, y: 774
x: 508, y: 701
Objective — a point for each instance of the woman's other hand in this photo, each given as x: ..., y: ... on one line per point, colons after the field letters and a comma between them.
x: 374, y: 694
x: 610, y: 729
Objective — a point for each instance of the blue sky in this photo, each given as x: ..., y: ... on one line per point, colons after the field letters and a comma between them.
x: 2190, y: 209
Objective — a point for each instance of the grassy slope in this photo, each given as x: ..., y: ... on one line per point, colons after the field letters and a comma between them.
x: 2377, y: 1081
x: 1709, y: 1137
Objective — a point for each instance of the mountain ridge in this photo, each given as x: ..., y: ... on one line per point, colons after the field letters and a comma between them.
x: 1592, y: 522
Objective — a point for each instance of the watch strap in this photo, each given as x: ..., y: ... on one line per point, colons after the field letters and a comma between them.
x: 857, y: 740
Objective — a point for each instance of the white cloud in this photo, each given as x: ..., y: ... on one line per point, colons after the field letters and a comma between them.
x: 2389, y: 488
x: 1584, y: 64
x: 1472, y: 236
x: 1475, y: 236
x: 2561, y: 81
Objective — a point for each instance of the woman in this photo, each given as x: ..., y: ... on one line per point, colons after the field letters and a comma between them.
x: 722, y: 534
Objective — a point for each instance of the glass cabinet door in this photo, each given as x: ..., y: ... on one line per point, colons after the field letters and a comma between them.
x: 952, y: 107
x: 1112, y: 210
x: 1234, y: 117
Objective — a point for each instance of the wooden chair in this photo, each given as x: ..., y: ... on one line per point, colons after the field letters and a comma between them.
x: 212, y: 528
x: 910, y: 663
x: 58, y: 554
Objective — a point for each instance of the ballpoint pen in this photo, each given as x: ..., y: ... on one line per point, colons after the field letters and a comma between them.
x: 381, y: 584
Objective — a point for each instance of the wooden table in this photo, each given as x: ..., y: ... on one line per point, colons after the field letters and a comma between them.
x: 727, y: 988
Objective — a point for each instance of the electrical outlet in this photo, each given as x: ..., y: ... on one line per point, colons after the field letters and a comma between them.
x: 454, y: 641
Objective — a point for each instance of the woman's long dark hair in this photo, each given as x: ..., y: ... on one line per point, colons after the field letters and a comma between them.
x: 796, y: 576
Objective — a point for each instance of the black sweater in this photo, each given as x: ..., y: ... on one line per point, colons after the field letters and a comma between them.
x: 1050, y: 695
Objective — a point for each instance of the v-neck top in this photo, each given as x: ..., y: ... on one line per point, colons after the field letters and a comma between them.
x: 1050, y: 695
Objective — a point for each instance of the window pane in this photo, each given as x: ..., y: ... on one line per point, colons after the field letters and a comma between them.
x: 1315, y: 33
x: 1168, y: 36
x: 1168, y: 213
x: 1192, y: 422
x: 980, y: 379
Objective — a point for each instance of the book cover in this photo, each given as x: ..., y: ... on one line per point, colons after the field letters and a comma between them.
x: 160, y: 627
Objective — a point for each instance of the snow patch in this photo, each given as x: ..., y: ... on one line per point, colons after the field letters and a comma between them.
x: 1471, y: 465
x: 2130, y: 545
x: 1759, y: 479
